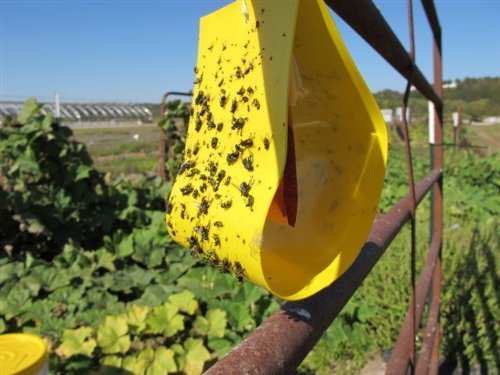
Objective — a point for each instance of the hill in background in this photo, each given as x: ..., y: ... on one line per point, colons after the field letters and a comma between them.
x: 477, y: 97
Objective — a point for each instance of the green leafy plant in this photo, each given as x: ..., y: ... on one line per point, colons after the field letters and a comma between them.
x: 147, y: 340
x: 174, y: 124
x: 50, y: 193
x: 111, y: 297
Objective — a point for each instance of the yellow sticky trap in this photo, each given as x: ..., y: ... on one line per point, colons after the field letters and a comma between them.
x: 264, y: 66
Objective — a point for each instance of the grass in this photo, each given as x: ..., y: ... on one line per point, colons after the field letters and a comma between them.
x: 470, y: 317
x: 130, y: 150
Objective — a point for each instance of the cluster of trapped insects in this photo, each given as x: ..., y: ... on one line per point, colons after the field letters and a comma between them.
x: 207, y: 178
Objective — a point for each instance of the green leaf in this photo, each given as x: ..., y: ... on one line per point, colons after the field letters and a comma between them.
x: 35, y: 226
x: 82, y: 172
x: 166, y: 320
x: 218, y: 321
x: 2, y: 325
x: 79, y: 365
x: 112, y: 361
x: 142, y: 278
x: 47, y: 121
x: 249, y: 294
x: 105, y: 260
x: 163, y: 362
x: 220, y: 346
x: 201, y: 325
x: 111, y: 365
x: 151, y: 362
x: 77, y: 341
x: 27, y: 162
x: 155, y: 257
x: 10, y: 271
x: 149, y: 246
x: 213, y: 325
x: 363, y: 313
x: 50, y: 278
x: 196, y: 356
x: 17, y: 301
x: 30, y: 108
x: 122, y: 281
x: 238, y: 315
x: 139, y: 363
x: 31, y: 284
x: 136, y: 317
x: 112, y: 335
x: 126, y: 246
x: 184, y: 301
x: 155, y: 295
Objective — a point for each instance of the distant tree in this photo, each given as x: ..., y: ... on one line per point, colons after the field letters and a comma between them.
x: 478, y: 97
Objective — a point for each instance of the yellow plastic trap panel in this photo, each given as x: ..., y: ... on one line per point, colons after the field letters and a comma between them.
x: 264, y: 67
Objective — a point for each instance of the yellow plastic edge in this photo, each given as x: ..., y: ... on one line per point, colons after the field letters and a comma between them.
x: 31, y: 348
x: 348, y: 244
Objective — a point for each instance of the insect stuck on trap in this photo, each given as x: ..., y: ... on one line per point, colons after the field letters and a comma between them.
x: 187, y: 189
x: 238, y: 271
x: 238, y: 123
x: 186, y: 165
x: 232, y: 157
x: 248, y: 163
x: 245, y: 188
x: 246, y: 143
x: 203, y: 206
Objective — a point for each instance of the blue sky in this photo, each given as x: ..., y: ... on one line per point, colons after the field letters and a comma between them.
x: 129, y: 50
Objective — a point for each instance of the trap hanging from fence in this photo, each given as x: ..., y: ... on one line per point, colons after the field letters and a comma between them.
x: 285, y: 152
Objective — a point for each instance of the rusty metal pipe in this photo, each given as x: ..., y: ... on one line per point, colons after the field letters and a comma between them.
x: 364, y: 17
x: 437, y: 191
x: 424, y: 363
x: 400, y: 357
x: 435, y: 362
x: 281, y: 343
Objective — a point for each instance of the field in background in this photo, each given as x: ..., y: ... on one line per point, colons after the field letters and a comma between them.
x: 122, y: 150
x: 134, y: 149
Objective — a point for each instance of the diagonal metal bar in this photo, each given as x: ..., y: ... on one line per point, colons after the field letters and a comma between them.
x: 430, y: 11
x: 364, y: 17
x: 280, y: 344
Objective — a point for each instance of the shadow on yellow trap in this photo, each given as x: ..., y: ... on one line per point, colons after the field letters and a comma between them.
x: 265, y: 66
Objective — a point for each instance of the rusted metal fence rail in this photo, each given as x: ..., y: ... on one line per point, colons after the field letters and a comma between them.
x: 403, y: 353
x: 364, y: 17
x: 280, y: 344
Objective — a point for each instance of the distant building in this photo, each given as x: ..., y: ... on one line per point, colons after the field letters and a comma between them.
x: 492, y: 120
x: 76, y: 112
x: 387, y: 114
x: 399, y: 114
x: 449, y: 84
